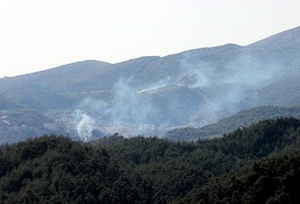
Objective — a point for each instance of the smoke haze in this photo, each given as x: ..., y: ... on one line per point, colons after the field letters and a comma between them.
x: 200, y: 92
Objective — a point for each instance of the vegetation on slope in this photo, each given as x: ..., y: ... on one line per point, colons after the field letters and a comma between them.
x: 19, y: 124
x: 241, y: 119
x: 274, y: 179
x: 114, y: 169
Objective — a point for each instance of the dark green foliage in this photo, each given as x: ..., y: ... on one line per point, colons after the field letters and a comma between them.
x: 53, y: 169
x: 274, y: 179
x: 259, y: 164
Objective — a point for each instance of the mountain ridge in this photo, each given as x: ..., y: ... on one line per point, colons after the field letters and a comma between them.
x: 228, y: 79
x: 286, y: 38
x: 242, y: 119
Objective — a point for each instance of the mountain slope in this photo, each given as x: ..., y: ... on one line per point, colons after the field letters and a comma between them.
x: 18, y: 124
x: 286, y: 39
x: 46, y: 90
x: 239, y: 120
x: 5, y: 104
x: 219, y: 81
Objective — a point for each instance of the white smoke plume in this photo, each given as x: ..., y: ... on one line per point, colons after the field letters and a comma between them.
x: 127, y: 112
x: 84, y: 125
x: 168, y: 81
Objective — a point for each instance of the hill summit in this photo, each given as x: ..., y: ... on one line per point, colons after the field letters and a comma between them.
x: 151, y: 95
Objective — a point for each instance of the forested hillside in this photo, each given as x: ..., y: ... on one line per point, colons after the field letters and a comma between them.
x: 274, y: 179
x: 237, y: 168
x: 239, y: 120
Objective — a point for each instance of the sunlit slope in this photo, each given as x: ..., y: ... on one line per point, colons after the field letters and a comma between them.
x: 192, y: 88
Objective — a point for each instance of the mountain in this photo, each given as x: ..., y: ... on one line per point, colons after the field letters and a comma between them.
x: 152, y: 95
x: 5, y: 104
x: 52, y: 89
x: 18, y: 124
x: 287, y: 39
x: 259, y: 164
x: 241, y: 119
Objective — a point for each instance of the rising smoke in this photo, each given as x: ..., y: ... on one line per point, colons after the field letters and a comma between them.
x: 230, y: 86
x: 84, y: 125
x: 206, y: 92
x: 127, y: 113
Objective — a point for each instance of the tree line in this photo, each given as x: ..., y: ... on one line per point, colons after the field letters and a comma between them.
x: 258, y: 164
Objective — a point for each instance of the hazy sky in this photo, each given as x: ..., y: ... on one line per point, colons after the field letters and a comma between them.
x: 41, y: 34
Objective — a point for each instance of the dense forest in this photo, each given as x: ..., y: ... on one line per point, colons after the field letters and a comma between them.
x: 258, y: 164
